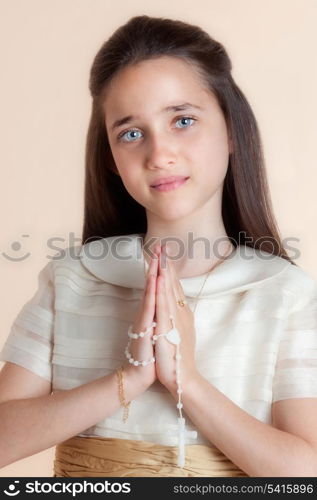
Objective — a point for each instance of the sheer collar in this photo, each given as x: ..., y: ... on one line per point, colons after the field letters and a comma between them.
x: 119, y: 260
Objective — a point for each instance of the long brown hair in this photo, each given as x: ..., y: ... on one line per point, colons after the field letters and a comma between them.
x: 246, y: 205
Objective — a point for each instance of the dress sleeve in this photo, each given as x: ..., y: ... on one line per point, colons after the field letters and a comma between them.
x: 30, y: 340
x: 296, y: 368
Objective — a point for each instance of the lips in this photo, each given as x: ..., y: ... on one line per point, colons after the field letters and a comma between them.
x: 170, y: 186
x: 169, y: 180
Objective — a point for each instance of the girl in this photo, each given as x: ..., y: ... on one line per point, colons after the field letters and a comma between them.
x: 134, y: 362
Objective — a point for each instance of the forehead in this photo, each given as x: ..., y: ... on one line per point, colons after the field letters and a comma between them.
x: 150, y: 85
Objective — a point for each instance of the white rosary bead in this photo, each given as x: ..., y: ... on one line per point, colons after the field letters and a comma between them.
x: 173, y: 339
x: 135, y: 362
x: 133, y: 335
x: 178, y: 356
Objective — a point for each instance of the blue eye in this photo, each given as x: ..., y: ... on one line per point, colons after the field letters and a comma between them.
x: 132, y: 135
x: 185, y: 119
x: 129, y: 138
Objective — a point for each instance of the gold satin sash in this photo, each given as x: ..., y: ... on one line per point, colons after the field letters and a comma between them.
x: 111, y: 457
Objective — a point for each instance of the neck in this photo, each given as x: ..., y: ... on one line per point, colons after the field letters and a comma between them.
x: 197, y: 240
x: 193, y: 253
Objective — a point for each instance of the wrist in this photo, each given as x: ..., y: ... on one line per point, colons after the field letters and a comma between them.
x: 139, y: 376
x: 187, y: 385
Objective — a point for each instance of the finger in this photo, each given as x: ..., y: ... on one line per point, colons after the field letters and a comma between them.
x: 176, y: 288
x: 142, y: 348
x: 149, y: 295
x: 169, y: 288
x: 152, y: 271
x: 162, y: 309
x: 151, y: 279
x: 165, y: 271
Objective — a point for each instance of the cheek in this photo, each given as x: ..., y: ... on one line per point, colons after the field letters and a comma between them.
x: 124, y: 164
x: 210, y: 156
x: 129, y: 170
x: 119, y: 158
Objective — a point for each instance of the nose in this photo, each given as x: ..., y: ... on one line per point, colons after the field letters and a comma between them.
x: 161, y: 152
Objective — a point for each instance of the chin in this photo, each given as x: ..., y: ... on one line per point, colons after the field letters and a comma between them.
x: 171, y: 213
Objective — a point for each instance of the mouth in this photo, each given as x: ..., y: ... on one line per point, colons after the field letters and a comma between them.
x: 170, y: 185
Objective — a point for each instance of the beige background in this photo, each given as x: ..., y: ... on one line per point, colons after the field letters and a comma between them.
x: 47, y: 48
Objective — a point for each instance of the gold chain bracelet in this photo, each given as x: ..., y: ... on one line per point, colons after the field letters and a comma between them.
x: 122, y: 396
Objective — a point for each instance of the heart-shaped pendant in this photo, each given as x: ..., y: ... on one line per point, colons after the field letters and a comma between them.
x: 173, y: 336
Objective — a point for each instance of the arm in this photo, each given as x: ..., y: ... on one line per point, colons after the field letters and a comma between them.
x: 257, y: 448
x: 28, y: 426
x: 31, y: 418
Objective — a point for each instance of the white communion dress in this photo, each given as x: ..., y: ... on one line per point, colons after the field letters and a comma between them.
x: 255, y: 321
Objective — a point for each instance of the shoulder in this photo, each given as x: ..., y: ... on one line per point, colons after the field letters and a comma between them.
x: 301, y: 285
x: 66, y: 256
x: 275, y: 275
x: 299, y: 280
x: 250, y: 268
x: 292, y: 280
x: 68, y: 263
x: 115, y: 260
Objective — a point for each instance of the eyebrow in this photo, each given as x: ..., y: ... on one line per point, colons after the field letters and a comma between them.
x: 173, y: 108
